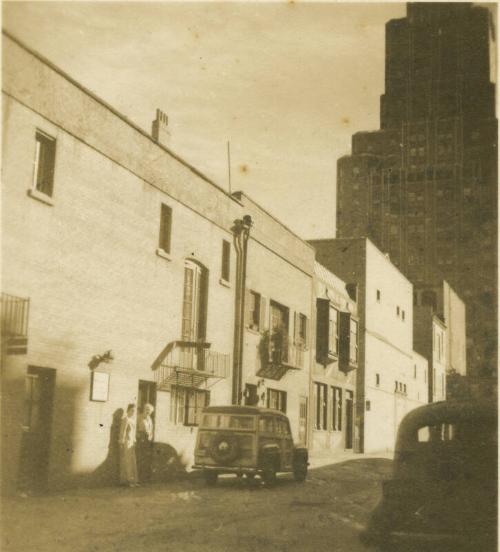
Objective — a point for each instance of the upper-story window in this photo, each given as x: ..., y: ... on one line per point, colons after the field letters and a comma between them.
x: 301, y: 330
x: 165, y: 238
x: 45, y: 157
x: 255, y: 313
x: 194, y: 302
x: 378, y: 295
x: 226, y: 260
x: 333, y: 331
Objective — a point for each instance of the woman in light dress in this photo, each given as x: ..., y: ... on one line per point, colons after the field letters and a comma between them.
x: 128, y: 464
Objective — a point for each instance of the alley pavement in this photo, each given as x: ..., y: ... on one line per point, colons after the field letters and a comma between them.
x: 326, y: 513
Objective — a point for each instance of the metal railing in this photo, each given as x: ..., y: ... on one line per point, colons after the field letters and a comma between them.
x: 190, y: 363
x: 15, y: 315
x: 283, y: 351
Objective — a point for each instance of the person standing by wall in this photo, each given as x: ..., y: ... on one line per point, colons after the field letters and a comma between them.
x: 127, y: 439
x: 145, y: 434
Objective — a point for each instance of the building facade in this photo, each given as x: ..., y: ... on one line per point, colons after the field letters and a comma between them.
x: 335, y: 362
x: 424, y: 186
x: 389, y: 379
x: 124, y: 281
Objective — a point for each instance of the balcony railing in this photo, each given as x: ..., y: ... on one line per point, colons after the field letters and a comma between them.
x: 15, y: 317
x: 189, y: 364
x: 278, y: 354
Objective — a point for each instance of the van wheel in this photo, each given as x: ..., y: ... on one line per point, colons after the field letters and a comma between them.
x: 300, y: 470
x: 269, y: 473
x: 210, y: 477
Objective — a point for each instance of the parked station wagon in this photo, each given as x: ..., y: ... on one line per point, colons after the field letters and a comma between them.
x: 443, y: 493
x: 247, y: 440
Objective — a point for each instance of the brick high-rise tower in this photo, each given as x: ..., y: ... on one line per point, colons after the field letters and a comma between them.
x: 424, y: 186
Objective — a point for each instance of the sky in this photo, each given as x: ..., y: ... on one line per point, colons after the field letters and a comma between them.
x: 286, y: 83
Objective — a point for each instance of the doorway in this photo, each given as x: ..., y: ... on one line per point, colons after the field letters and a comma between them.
x: 146, y: 395
x: 349, y: 415
x: 36, y: 427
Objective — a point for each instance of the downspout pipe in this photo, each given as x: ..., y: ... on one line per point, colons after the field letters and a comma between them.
x: 241, y: 234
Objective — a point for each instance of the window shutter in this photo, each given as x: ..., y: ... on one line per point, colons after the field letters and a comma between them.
x: 263, y: 313
x: 322, y: 328
x: 306, y: 344
x: 344, y: 336
x: 296, y: 328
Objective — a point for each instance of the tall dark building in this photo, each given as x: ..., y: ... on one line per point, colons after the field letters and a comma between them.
x: 424, y: 186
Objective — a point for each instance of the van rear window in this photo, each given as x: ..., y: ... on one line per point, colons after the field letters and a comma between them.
x: 226, y: 421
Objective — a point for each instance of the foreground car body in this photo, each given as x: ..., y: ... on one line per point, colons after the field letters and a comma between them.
x: 247, y: 440
x: 443, y: 494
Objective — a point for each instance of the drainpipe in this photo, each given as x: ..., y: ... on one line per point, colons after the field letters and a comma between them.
x: 241, y: 233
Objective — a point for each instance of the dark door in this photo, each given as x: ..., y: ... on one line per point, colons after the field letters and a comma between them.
x: 250, y: 394
x: 36, y: 426
x: 349, y: 413
x: 147, y: 394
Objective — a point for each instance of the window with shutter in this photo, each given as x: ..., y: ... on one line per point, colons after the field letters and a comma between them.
x: 348, y: 355
x: 226, y: 260
x: 300, y: 330
x: 45, y: 155
x: 194, y: 302
x: 263, y: 313
x: 253, y: 310
x: 322, y: 330
x: 333, y: 331
x: 164, y: 242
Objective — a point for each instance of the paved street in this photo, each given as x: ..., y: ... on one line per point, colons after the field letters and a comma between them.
x: 325, y: 513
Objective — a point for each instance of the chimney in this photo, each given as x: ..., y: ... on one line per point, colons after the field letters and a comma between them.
x: 159, y: 129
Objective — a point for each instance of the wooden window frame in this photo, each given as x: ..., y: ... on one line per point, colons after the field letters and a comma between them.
x: 225, y: 271
x: 44, y: 164
x: 165, y: 234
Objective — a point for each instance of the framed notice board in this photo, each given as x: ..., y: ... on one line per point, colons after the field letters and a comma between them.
x: 99, y: 386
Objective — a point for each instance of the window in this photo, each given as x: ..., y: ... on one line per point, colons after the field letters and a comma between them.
x: 397, y: 311
x: 403, y: 315
x: 276, y: 400
x: 226, y: 260
x: 301, y: 330
x: 165, y: 228
x: 333, y: 331
x: 336, y: 409
x: 45, y: 156
x: 187, y: 405
x: 194, y: 302
x: 321, y: 404
x: 377, y: 379
x: 353, y: 342
x: 254, y: 306
x: 414, y: 371
x: 378, y: 295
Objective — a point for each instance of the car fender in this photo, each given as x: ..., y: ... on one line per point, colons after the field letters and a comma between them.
x: 301, y: 453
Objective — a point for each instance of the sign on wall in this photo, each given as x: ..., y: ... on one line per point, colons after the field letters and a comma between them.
x: 99, y: 389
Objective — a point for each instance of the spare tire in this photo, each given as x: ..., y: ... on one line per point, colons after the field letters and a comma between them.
x: 224, y: 448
